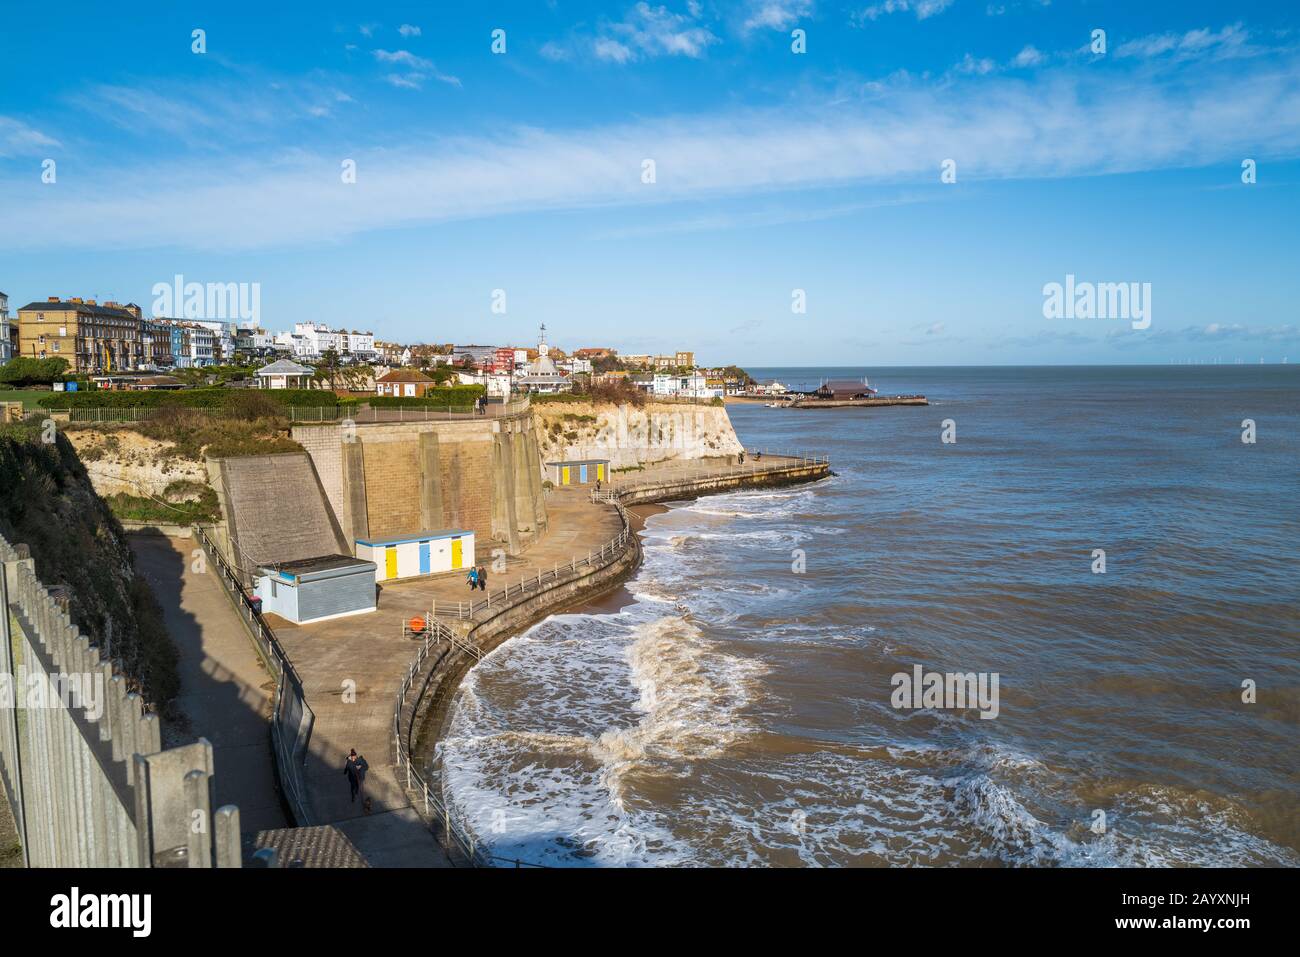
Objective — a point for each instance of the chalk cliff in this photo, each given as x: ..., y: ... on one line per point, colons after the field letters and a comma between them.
x: 630, y: 436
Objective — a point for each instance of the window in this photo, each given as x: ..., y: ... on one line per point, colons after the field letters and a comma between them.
x: 274, y: 590
x: 63, y: 330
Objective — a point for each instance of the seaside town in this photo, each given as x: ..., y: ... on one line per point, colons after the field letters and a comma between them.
x: 115, y: 345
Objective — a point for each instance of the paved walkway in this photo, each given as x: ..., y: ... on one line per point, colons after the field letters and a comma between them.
x: 225, y: 689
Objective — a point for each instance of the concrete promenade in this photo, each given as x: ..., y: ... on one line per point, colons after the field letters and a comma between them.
x: 352, y: 668
x: 225, y: 689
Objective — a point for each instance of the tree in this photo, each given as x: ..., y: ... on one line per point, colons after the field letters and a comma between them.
x: 25, y: 370
x: 327, y: 367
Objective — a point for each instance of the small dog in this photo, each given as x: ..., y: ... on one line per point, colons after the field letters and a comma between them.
x: 366, y: 805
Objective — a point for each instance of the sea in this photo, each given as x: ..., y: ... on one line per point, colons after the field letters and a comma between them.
x: 1103, y: 540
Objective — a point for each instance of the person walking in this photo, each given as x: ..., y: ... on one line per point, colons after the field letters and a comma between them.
x: 353, y: 769
x: 472, y: 578
x: 482, y: 578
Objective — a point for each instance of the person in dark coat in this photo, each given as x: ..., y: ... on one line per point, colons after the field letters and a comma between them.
x: 482, y: 578
x: 354, y: 770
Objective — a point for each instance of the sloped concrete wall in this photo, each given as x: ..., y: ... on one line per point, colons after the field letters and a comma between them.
x: 276, y: 509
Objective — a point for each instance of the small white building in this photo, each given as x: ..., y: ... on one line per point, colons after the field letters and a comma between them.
x: 284, y: 374
x: 317, y: 589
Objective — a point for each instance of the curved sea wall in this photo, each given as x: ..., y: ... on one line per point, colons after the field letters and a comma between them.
x: 424, y: 705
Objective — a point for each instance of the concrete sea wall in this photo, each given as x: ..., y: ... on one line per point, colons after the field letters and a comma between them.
x: 396, y: 478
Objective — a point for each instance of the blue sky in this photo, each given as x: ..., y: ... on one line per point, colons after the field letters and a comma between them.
x: 774, y: 171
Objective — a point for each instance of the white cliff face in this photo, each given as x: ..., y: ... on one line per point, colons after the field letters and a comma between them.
x: 124, y: 461
x: 630, y: 436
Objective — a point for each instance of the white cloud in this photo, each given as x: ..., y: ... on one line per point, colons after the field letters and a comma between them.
x: 924, y: 9
x: 1007, y: 129
x: 1029, y: 56
x: 649, y: 31
x: 776, y: 14
x: 407, y: 81
x: 553, y: 51
x: 1230, y: 41
x: 980, y: 67
x: 612, y: 50
x: 407, y: 30
x: 405, y: 57
x: 18, y: 139
x: 419, y: 70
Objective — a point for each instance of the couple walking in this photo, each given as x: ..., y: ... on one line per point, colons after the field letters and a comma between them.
x: 477, y: 578
x: 355, y: 769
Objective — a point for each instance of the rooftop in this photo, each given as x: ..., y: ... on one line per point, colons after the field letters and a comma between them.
x: 284, y: 367
x: 112, y: 310
x: 404, y: 375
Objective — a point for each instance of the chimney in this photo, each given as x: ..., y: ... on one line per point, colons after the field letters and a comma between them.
x: 90, y: 302
x: 77, y: 300
x: 52, y: 299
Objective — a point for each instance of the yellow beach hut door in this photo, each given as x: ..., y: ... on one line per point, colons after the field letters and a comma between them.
x: 564, y: 475
x: 600, y: 471
x: 457, y: 559
x: 390, y: 561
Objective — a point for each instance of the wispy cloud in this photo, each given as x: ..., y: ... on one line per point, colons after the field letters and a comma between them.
x: 999, y: 126
x: 1029, y: 56
x: 418, y: 70
x: 19, y: 139
x: 407, y: 30
x: 1228, y: 42
x: 775, y: 14
x: 924, y: 9
x: 404, y: 57
x: 652, y: 31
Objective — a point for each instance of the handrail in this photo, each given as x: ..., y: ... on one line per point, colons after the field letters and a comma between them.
x: 458, y: 831
x: 598, y: 558
x: 271, y: 651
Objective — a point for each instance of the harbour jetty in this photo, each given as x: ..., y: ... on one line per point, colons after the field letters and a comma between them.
x: 832, y: 394
x: 864, y: 402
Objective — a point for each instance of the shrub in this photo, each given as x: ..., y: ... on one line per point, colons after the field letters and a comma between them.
x: 24, y: 370
x: 621, y: 392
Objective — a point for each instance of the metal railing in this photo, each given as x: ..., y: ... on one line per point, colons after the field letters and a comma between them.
x: 503, y: 598
x: 760, y: 462
x: 289, y: 744
x: 456, y: 829
x: 369, y: 415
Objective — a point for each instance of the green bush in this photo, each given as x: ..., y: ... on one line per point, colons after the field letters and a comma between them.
x: 211, y: 399
x: 200, y: 509
x: 24, y: 370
